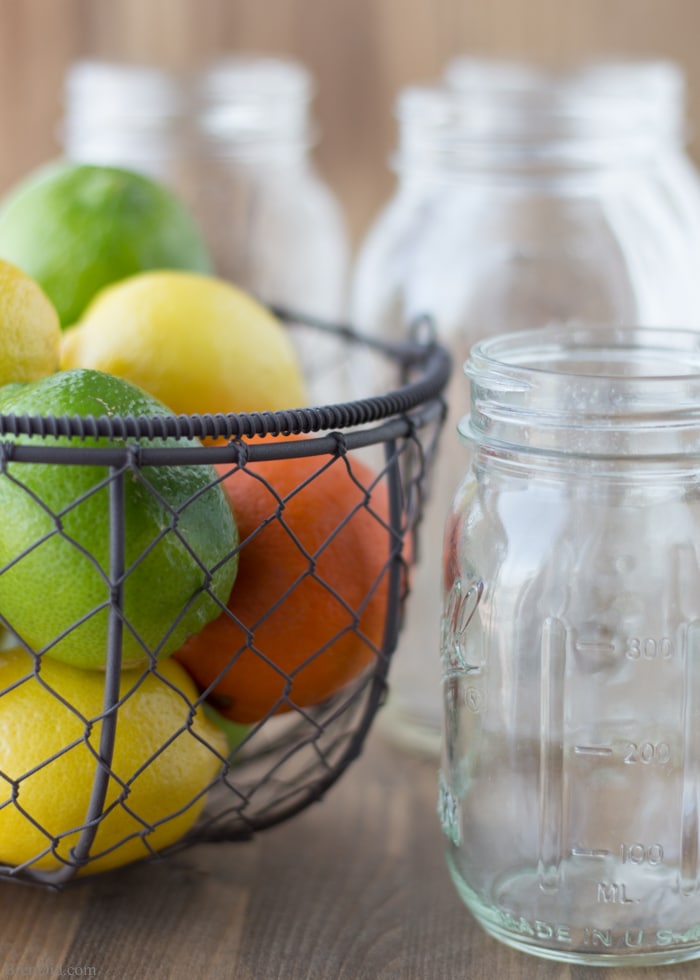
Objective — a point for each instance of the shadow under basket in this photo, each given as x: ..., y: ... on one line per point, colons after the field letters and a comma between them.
x: 78, y: 809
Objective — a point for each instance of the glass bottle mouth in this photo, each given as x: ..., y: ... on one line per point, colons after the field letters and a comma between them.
x: 587, y: 391
x: 498, y: 113
x: 242, y: 105
x: 250, y: 99
x: 116, y: 93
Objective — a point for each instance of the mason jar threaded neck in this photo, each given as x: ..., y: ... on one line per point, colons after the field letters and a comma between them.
x: 502, y: 115
x: 597, y: 392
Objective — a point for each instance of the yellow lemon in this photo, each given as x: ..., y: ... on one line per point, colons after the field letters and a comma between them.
x: 165, y: 757
x: 195, y: 342
x: 30, y: 331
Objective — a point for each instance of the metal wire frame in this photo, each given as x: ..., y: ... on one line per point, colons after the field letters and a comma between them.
x: 319, y: 743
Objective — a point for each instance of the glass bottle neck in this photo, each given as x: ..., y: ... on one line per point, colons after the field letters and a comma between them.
x: 250, y: 109
x: 255, y: 107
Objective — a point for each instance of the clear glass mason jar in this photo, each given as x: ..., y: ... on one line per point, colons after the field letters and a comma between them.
x: 234, y: 140
x: 602, y: 88
x: 523, y: 197
x: 570, y: 645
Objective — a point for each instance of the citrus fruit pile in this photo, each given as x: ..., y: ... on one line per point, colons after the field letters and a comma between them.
x: 237, y: 592
x: 76, y: 229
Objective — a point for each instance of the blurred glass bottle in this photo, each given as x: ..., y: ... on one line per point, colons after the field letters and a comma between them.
x: 523, y: 196
x: 234, y: 140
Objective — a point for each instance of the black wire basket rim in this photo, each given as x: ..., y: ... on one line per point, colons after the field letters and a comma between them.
x: 425, y: 355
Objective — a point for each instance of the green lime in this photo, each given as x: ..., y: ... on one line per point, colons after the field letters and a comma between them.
x: 55, y: 540
x: 75, y: 228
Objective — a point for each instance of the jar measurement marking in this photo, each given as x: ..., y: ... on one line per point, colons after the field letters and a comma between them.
x: 614, y: 892
x: 589, y: 647
x: 631, y: 852
x: 649, y: 648
x: 634, y: 753
x: 636, y: 853
x: 635, y: 648
x: 595, y: 750
x: 647, y: 753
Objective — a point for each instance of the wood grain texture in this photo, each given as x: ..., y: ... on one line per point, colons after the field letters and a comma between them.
x: 362, y: 52
x: 354, y: 888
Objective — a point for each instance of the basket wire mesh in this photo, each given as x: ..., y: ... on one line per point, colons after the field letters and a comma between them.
x: 286, y: 760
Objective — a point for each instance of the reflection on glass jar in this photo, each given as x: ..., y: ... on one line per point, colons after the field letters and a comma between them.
x: 523, y: 198
x: 570, y: 647
x: 234, y: 140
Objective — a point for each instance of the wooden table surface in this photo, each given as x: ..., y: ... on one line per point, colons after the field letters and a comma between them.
x: 353, y: 888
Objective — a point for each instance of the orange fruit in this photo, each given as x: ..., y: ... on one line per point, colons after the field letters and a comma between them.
x: 292, y: 638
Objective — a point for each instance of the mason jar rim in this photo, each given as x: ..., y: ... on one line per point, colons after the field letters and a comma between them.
x: 587, y: 390
x: 515, y: 349
x: 492, y: 114
x: 619, y: 78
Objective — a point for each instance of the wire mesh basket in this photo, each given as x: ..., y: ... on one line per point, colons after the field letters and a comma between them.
x: 137, y: 763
